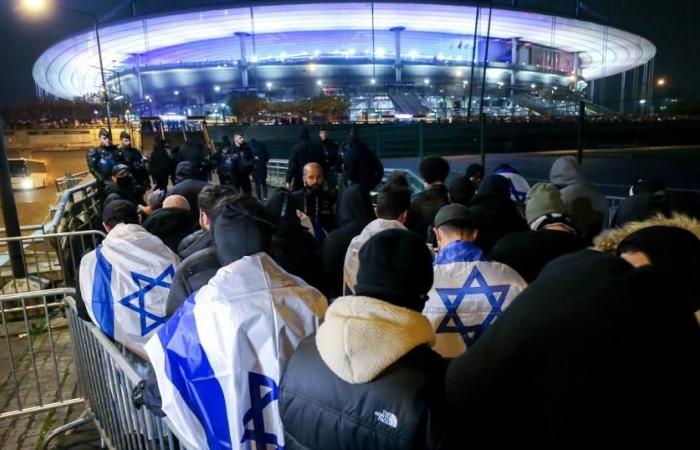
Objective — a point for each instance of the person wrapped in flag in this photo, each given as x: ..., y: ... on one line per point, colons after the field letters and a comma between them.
x: 219, y: 359
x: 124, y: 282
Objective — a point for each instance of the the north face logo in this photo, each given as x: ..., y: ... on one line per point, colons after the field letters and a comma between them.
x: 387, y: 418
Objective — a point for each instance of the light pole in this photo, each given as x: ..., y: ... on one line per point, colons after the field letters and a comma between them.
x: 37, y: 6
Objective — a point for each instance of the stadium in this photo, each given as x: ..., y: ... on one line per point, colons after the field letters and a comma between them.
x: 393, y: 59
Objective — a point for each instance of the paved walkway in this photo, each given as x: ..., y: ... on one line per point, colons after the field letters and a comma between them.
x: 48, y: 382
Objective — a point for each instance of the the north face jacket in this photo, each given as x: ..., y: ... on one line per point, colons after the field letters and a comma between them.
x: 469, y: 293
x: 367, y: 380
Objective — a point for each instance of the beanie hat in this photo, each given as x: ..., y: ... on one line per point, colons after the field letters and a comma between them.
x: 543, y: 199
x: 397, y: 267
x: 104, y: 133
x: 124, y: 135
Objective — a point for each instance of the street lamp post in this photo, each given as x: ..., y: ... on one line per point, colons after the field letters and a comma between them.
x: 38, y: 5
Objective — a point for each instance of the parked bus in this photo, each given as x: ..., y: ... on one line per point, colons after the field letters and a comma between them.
x: 27, y: 173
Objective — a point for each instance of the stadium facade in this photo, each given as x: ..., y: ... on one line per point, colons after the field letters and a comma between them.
x: 385, y: 58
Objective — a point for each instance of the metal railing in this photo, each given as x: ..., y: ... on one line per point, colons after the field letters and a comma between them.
x: 276, y: 172
x: 70, y: 180
x: 36, y: 375
x: 50, y: 260
x: 76, y: 209
x: 107, y: 376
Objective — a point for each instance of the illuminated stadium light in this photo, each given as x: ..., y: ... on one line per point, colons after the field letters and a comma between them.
x: 176, y: 92
x: 533, y: 86
x: 426, y: 81
x: 268, y: 85
x: 413, y: 54
x: 217, y: 88
x: 381, y: 53
x: 458, y: 73
x: 372, y: 81
x: 319, y: 82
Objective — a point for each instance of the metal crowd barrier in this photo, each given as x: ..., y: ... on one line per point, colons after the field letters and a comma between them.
x: 70, y: 181
x: 76, y: 209
x: 49, y: 260
x: 107, y: 377
x: 36, y: 375
x: 276, y: 172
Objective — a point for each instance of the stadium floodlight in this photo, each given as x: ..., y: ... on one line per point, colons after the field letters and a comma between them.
x: 319, y: 82
x: 426, y: 81
x: 217, y: 88
x: 35, y: 5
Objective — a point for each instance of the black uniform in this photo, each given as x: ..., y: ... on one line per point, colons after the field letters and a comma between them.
x: 100, y: 161
x: 318, y: 205
x: 301, y: 154
x: 138, y: 167
x: 234, y: 165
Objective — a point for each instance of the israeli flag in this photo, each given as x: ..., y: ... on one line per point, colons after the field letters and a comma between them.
x: 125, y: 283
x: 468, y: 294
x: 220, y: 358
x: 518, y: 185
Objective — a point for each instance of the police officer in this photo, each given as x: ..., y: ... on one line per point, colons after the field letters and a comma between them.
x: 101, y: 160
x: 136, y: 162
x: 235, y: 163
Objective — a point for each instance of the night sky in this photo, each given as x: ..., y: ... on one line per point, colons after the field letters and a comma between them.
x: 672, y: 25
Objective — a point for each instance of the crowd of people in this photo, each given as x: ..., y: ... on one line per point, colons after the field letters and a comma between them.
x: 477, y: 312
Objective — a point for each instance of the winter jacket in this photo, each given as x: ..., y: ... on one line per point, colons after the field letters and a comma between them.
x: 469, y: 293
x: 586, y: 206
x: 424, y: 207
x: 352, y: 259
x: 159, y: 162
x: 529, y: 251
x: 496, y: 217
x: 194, y: 272
x: 171, y: 225
x: 261, y: 157
x: 367, y: 380
x: 301, y: 154
x: 318, y: 206
x: 189, y: 187
x: 295, y: 250
x: 592, y: 351
x: 354, y: 212
x: 362, y: 166
x: 194, y: 242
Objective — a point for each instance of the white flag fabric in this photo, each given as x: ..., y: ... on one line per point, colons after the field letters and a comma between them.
x: 219, y: 359
x: 468, y: 294
x: 125, y: 283
x: 352, y: 259
x: 518, y: 185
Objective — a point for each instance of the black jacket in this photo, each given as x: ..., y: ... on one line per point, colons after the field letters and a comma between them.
x: 318, y: 205
x: 159, y: 162
x: 261, y: 157
x: 171, y: 225
x: 188, y: 187
x: 331, y: 156
x: 495, y: 216
x: 318, y: 407
x: 194, y: 272
x: 592, y: 351
x: 199, y: 240
x: 199, y: 158
x: 354, y: 212
x: 529, y: 251
x: 301, y: 154
x: 362, y: 166
x: 424, y: 207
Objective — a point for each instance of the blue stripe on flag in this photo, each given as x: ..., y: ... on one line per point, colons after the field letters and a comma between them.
x: 459, y: 251
x: 102, y: 301
x: 189, y: 370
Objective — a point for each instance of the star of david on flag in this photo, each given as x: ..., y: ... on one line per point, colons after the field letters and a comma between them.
x: 258, y: 434
x: 452, y: 298
x: 140, y: 295
x: 519, y: 195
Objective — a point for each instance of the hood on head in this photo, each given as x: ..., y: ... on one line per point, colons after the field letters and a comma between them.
x: 282, y: 206
x: 362, y: 336
x: 496, y: 186
x: 640, y: 207
x: 238, y: 233
x: 184, y: 171
x: 355, y: 205
x: 565, y: 171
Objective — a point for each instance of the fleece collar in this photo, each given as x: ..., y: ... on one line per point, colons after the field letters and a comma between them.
x: 608, y: 241
x: 362, y: 336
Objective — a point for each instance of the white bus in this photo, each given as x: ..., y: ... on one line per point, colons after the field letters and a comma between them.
x: 27, y: 173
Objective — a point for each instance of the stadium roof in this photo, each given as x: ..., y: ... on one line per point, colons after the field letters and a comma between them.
x: 69, y: 68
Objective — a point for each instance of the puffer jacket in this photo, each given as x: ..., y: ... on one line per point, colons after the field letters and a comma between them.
x: 367, y: 380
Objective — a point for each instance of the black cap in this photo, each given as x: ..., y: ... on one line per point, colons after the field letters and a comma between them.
x: 124, y: 135
x: 104, y: 133
x: 118, y: 211
x: 396, y: 267
x: 119, y: 169
x: 454, y: 214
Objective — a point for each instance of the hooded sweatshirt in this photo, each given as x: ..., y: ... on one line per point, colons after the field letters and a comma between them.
x: 586, y: 206
x: 343, y: 391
